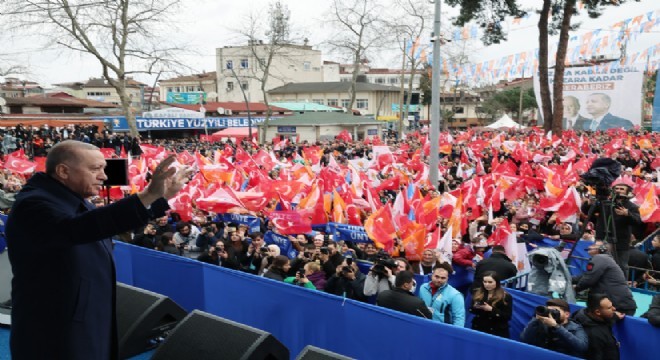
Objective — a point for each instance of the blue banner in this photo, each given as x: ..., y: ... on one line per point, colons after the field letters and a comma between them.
x: 282, y: 242
x: 350, y: 233
x: 119, y: 123
x: 253, y: 222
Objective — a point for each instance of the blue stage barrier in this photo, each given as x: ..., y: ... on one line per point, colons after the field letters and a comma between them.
x: 636, y: 335
x: 300, y: 317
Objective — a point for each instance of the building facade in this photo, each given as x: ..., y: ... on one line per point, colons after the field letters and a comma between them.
x: 190, y: 89
x: 240, y: 67
x: 101, y: 90
x: 14, y: 87
x: 370, y: 99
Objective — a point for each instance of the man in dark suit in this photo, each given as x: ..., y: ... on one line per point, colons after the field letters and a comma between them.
x: 498, y: 262
x: 598, y: 106
x: 63, y: 290
x: 571, y: 113
x: 401, y: 298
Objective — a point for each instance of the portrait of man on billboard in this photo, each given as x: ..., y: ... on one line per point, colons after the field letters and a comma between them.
x: 572, y: 113
x: 598, y: 108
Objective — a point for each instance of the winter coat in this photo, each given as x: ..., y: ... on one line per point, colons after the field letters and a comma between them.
x: 494, y: 322
x: 448, y: 304
x: 570, y: 338
x: 603, y: 275
x: 602, y: 343
x: 402, y: 300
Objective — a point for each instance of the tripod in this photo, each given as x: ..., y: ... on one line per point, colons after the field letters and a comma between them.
x: 602, y: 202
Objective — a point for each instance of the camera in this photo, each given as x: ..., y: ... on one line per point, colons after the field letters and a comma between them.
x: 349, y: 260
x: 307, y: 254
x: 546, y: 312
x: 346, y: 269
x: 264, y: 250
x: 382, y: 261
x: 601, y: 175
x: 301, y: 273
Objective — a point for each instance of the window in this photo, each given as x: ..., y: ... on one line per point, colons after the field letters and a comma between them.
x: 394, y: 80
x: 230, y: 64
x: 380, y: 80
x: 190, y: 88
x: 345, y: 103
x: 307, y: 65
x: 244, y: 63
x: 244, y: 85
x: 199, y: 88
x: 169, y: 90
x: 460, y: 110
x: 405, y: 80
x: 177, y: 89
x: 333, y: 102
x: 362, y: 103
x: 230, y: 85
x: 317, y: 101
x: 98, y: 93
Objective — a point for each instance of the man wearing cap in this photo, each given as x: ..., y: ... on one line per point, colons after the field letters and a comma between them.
x: 562, y: 335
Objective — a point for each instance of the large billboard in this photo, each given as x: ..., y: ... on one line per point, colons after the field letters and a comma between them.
x: 599, y: 98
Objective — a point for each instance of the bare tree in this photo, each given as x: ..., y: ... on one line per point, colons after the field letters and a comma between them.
x: 278, y: 45
x: 408, y: 26
x: 123, y: 35
x: 359, y: 29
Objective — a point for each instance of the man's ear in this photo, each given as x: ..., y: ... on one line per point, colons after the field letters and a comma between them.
x: 62, y: 171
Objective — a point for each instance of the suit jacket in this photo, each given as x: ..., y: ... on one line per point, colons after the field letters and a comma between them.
x: 579, y: 120
x: 609, y: 121
x: 63, y: 290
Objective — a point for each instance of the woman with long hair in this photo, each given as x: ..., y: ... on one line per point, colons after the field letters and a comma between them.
x: 491, y: 306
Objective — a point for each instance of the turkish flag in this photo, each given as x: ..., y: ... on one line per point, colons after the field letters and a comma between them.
x: 380, y: 228
x: 19, y: 165
x: 501, y: 233
x: 108, y: 153
x: 186, y: 158
x: 222, y: 201
x: 41, y: 163
x: 241, y: 155
x: 290, y: 222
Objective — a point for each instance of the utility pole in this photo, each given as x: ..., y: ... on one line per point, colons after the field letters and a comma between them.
x: 436, y: 117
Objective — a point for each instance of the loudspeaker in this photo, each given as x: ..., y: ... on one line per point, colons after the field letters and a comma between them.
x: 117, y: 172
x: 313, y: 353
x: 144, y: 318
x: 202, y: 336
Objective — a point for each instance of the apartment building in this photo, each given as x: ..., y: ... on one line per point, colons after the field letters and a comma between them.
x: 190, y: 89
x: 239, y: 69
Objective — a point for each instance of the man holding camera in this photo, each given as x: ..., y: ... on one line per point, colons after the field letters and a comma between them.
x: 552, y: 329
x: 624, y: 215
x: 603, y: 275
x: 347, y: 281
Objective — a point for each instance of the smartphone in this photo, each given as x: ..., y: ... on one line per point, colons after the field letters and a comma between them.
x: 349, y: 261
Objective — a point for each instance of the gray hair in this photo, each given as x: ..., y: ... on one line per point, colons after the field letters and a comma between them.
x: 65, y: 151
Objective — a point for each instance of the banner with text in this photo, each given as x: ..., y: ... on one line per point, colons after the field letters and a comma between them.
x: 597, y: 98
x: 119, y: 123
x: 282, y: 242
x: 253, y: 222
x: 345, y: 232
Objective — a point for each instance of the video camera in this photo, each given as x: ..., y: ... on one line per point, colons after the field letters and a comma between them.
x: 382, y: 260
x: 601, y: 175
x: 546, y: 312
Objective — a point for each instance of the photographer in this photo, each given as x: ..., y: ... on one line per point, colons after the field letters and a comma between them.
x: 381, y: 276
x: 552, y: 329
x: 253, y: 261
x: 625, y: 217
x: 347, y: 281
x: 603, y: 275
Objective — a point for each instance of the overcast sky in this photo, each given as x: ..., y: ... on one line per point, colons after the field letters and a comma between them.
x: 207, y: 24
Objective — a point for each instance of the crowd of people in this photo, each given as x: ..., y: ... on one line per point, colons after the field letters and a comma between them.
x: 508, y: 180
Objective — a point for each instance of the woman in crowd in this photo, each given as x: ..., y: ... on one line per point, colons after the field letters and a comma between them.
x: 279, y: 268
x: 492, y: 307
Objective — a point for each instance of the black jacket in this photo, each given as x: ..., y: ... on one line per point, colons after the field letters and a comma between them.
x: 603, y: 275
x: 653, y: 315
x: 66, y: 300
x: 623, y: 225
x: 402, y: 300
x: 498, y: 262
x: 494, y: 322
x: 341, y: 286
x: 602, y: 343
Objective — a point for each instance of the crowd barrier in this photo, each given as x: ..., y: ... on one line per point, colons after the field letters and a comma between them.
x: 300, y: 317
